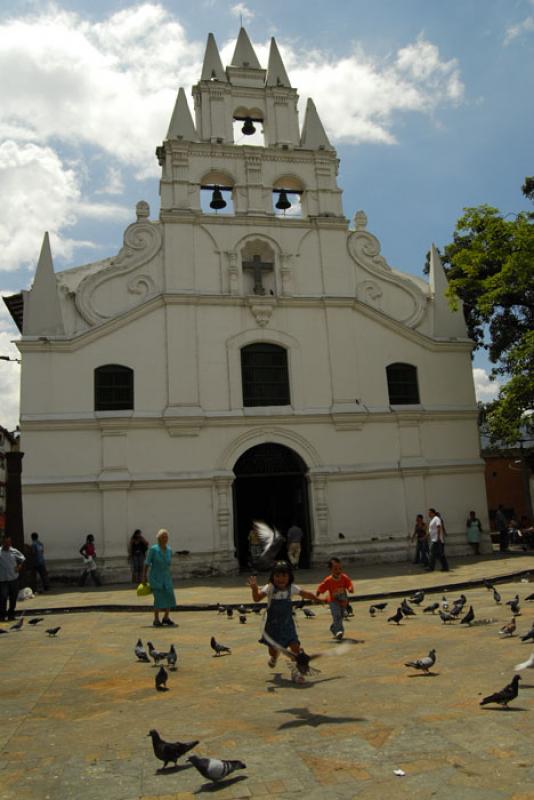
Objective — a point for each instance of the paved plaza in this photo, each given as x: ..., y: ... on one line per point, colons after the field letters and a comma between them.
x: 76, y: 709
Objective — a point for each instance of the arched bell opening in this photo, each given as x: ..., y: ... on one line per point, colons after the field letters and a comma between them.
x: 287, y: 197
x: 217, y: 193
x: 248, y: 127
x: 270, y: 485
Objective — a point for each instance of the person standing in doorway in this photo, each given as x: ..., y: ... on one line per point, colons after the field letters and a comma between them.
x: 11, y: 561
x: 436, y: 533
x: 157, y: 571
x: 39, y: 563
x: 294, y: 539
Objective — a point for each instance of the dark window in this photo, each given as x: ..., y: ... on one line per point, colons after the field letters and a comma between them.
x: 402, y: 384
x: 114, y: 388
x: 265, y: 375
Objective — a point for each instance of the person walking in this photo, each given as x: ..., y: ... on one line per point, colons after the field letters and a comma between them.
x: 420, y: 535
x: 436, y: 533
x: 39, y: 562
x: 88, y: 553
x: 11, y: 562
x: 157, y: 572
x: 294, y: 539
x: 474, y: 529
x: 137, y: 548
x: 337, y: 584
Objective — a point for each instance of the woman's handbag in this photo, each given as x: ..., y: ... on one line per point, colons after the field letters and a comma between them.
x: 143, y: 590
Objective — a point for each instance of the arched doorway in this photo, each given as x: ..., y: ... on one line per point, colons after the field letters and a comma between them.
x: 270, y: 485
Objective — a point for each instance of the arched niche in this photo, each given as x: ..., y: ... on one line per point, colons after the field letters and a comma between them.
x: 258, y: 264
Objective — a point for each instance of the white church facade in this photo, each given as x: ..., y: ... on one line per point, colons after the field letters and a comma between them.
x: 252, y: 358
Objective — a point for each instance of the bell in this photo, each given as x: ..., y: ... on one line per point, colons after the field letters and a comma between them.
x: 248, y: 127
x: 217, y: 200
x: 283, y: 203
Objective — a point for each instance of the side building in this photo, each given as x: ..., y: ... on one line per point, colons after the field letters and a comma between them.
x: 249, y: 354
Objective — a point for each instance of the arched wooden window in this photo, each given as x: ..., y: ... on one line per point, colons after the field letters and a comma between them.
x: 265, y: 375
x: 402, y: 384
x: 114, y: 388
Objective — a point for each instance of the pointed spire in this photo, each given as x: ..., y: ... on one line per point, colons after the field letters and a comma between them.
x: 448, y: 323
x: 181, y: 125
x: 313, y: 135
x: 42, y: 312
x: 244, y: 55
x: 212, y: 68
x: 276, y: 72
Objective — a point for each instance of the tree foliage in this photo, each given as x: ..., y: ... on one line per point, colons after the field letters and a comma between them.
x: 490, y: 267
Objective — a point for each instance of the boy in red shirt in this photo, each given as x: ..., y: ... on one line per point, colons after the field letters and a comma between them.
x: 337, y: 584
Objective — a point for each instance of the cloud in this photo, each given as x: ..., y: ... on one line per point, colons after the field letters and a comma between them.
x: 526, y: 26
x: 485, y: 389
x: 240, y: 10
x: 9, y: 371
x: 113, y: 182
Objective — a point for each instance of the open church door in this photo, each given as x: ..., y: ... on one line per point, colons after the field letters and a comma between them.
x: 271, y: 486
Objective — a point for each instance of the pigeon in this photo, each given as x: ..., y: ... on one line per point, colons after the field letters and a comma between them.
x: 446, y: 617
x: 372, y: 611
x: 407, y: 610
x: 530, y: 597
x: 219, y: 648
x: 456, y: 610
x: 506, y: 695
x: 308, y: 613
x: 444, y: 603
x: 242, y: 609
x: 213, y: 769
x: 271, y: 542
x: 417, y: 598
x: 161, y: 680
x: 2, y: 631
x: 496, y: 596
x: 423, y: 664
x: 380, y: 606
x: 155, y: 654
x: 53, y: 631
x: 396, y: 617
x: 469, y: 617
x: 169, y: 752
x: 221, y: 609
x: 301, y: 660
x: 35, y: 620
x: 529, y: 635
x: 431, y: 609
x: 229, y: 612
x: 528, y: 664
x: 257, y: 610
x: 172, y: 658
x: 18, y: 625
x: 509, y: 629
x: 242, y: 618
x: 489, y: 586
x: 514, y: 605
x: 140, y: 652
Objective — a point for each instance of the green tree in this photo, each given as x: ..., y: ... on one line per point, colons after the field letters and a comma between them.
x: 490, y: 267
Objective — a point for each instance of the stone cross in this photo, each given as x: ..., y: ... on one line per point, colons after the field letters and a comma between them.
x: 256, y: 266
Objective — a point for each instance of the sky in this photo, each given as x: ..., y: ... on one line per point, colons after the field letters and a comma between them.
x: 428, y: 103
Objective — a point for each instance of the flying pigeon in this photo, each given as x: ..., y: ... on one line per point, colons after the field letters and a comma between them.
x: 506, y: 695
x: 18, y: 625
x: 213, y: 769
x: 139, y: 651
x: 431, y: 609
x: 496, y: 596
x: 446, y: 617
x: 242, y: 618
x: 528, y: 664
x: 155, y: 654
x: 219, y: 648
x: 380, y: 606
x: 308, y: 613
x: 53, y: 631
x: 469, y: 617
x: 425, y: 663
x: 397, y: 616
x: 35, y: 620
x: 172, y: 658
x: 169, y: 752
x: 509, y: 629
x: 271, y: 542
x: 301, y: 661
x: 529, y: 635
x: 530, y: 597
x: 161, y: 680
x: 417, y: 598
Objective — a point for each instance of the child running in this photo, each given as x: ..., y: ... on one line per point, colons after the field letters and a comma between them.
x: 279, y: 624
x: 337, y: 584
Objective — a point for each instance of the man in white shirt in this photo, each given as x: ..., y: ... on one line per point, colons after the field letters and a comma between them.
x: 436, y: 535
x: 11, y: 561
